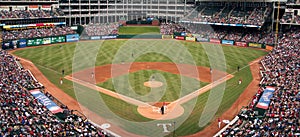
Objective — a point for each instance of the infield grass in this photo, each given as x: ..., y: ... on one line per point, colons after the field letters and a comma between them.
x: 52, y: 59
x: 132, y: 85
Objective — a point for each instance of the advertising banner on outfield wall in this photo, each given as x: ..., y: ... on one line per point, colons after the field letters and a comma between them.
x: 228, y: 42
x: 46, y: 40
x: 179, y: 37
x: 167, y: 36
x: 53, y: 40
x: 34, y: 42
x: 190, y: 39
x: 30, y: 42
x: 57, y: 39
x: 109, y: 37
x: 22, y: 43
x: 241, y: 44
x: 199, y: 39
x: 7, y: 45
x: 38, y: 41
x: 72, y: 38
x: 95, y: 37
x: 214, y: 41
x: 255, y: 45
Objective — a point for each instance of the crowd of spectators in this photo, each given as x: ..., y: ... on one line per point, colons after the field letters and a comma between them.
x: 101, y: 29
x: 251, y: 36
x: 26, y: 14
x: 281, y: 70
x: 170, y: 28
x: 33, y: 33
x: 233, y: 15
x: 234, y: 34
x: 267, y: 38
x: 239, y: 34
x: 258, y: 16
x: 21, y: 114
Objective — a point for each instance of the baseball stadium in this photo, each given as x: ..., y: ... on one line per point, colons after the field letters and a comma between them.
x: 157, y: 68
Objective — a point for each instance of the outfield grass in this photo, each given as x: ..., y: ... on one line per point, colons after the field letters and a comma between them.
x: 170, y: 91
x: 52, y: 59
x: 139, y: 30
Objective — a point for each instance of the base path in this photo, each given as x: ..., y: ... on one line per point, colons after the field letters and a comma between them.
x: 243, y: 100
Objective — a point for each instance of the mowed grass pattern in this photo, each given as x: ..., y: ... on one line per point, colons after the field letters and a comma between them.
x: 52, y: 59
x: 132, y: 85
x: 139, y: 30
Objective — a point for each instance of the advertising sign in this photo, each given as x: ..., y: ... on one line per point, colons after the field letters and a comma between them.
x: 270, y: 48
x: 190, y: 39
x: 255, y: 45
x: 46, y: 40
x: 34, y: 42
x: 14, y: 44
x: 109, y: 37
x: 46, y: 7
x: 179, y: 37
x: 54, y: 40
x: 4, y: 8
x: 33, y: 7
x: 48, y: 103
x: 242, y: 44
x: 199, y: 39
x: 264, y: 100
x: 72, y: 38
x: 38, y: 41
x: 22, y: 43
x: 95, y: 37
x: 61, y: 39
x: 227, y: 42
x: 74, y: 28
x: 30, y: 42
x: 214, y: 41
x: 18, y: 7
x: 6, y: 45
x: 167, y: 36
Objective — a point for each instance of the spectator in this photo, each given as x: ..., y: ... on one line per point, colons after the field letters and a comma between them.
x: 22, y: 114
x: 282, y: 72
x: 34, y: 33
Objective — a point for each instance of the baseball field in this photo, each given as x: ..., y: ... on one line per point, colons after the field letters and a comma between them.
x: 101, y: 75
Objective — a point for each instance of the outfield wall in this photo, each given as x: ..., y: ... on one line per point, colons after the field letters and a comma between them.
x: 21, y: 43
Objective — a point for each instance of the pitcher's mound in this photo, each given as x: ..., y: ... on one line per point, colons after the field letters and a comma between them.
x: 153, y: 84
